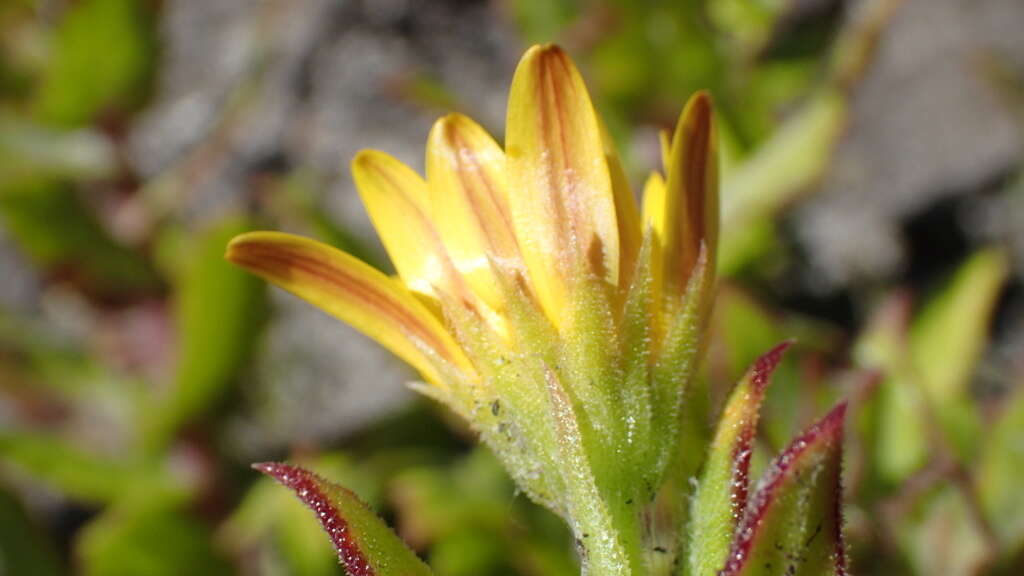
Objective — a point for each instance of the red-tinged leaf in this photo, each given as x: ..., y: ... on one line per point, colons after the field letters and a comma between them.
x: 722, y: 495
x: 793, y: 524
x: 365, y: 545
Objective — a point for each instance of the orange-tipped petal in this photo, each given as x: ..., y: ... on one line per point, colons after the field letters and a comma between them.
x: 469, y: 203
x: 398, y: 203
x: 354, y: 292
x: 563, y: 209
x: 691, y: 203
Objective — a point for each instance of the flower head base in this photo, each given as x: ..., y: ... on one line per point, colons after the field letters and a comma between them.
x: 533, y: 296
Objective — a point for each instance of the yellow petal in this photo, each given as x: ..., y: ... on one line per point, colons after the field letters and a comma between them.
x: 654, y: 221
x: 665, y: 140
x: 397, y: 201
x: 691, y: 202
x: 354, y: 292
x: 469, y: 203
x: 654, y: 205
x: 563, y: 210
x: 627, y: 216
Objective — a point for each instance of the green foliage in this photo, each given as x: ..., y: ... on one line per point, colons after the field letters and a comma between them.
x: 101, y: 61
x: 465, y: 514
x: 149, y: 534
x: 793, y: 523
x: 364, y: 542
x: 29, y: 152
x: 947, y: 339
x: 944, y: 513
x: 218, y: 311
x: 58, y: 230
x: 927, y: 364
x: 722, y: 495
x: 1000, y: 468
x: 73, y: 471
x: 22, y: 545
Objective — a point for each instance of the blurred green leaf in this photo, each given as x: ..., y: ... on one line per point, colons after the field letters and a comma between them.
x: 148, y: 535
x: 1001, y: 472
x: 468, y: 552
x: 58, y: 231
x: 218, y: 309
x: 894, y: 424
x: 748, y: 23
x: 542, y: 20
x: 781, y: 169
x: 101, y: 60
x: 23, y: 549
x: 75, y: 472
x: 941, y: 536
x: 947, y: 339
x: 28, y: 151
x: 742, y: 330
x: 901, y: 445
x: 951, y: 330
x: 471, y: 501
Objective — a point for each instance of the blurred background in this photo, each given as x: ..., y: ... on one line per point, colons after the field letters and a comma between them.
x: 873, y: 208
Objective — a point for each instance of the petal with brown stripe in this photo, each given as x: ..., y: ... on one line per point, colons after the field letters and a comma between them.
x: 354, y: 292
x: 398, y: 203
x: 691, y: 202
x: 469, y: 203
x: 561, y: 200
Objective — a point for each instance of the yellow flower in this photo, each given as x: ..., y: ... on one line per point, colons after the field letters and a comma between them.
x: 554, y: 204
x: 532, y: 295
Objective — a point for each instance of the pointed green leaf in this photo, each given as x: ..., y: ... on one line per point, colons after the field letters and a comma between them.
x: 793, y: 524
x: 675, y: 364
x: 951, y: 331
x: 1000, y: 472
x: 218, y: 309
x: 947, y: 339
x: 722, y: 495
x: 365, y: 544
x: 776, y: 174
x: 272, y: 519
x: 894, y: 425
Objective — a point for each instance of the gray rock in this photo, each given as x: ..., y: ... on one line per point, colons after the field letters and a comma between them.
x: 927, y: 124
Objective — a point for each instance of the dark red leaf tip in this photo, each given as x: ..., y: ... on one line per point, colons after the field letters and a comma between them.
x: 767, y: 363
x: 312, y: 490
x: 823, y: 434
x: 759, y: 374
